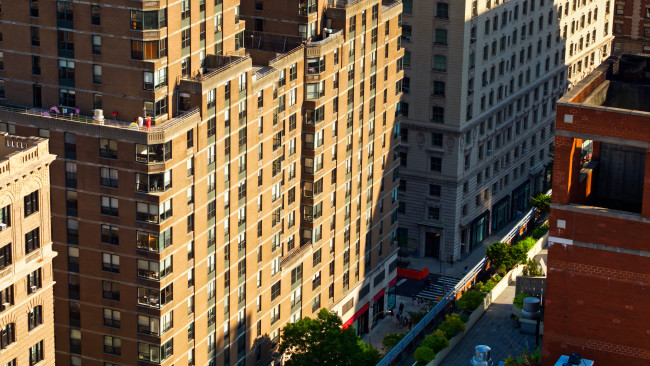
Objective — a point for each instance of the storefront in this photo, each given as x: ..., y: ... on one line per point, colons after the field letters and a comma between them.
x: 391, y: 294
x: 480, y: 229
x: 501, y: 214
x: 359, y: 320
x: 377, y: 306
x: 521, y: 198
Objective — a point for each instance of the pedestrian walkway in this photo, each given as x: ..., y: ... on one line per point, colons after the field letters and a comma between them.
x: 438, y: 287
x: 496, y: 329
x: 391, y: 324
x: 457, y: 269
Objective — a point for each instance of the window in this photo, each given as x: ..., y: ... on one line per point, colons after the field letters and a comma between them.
x: 34, y: 281
x: 36, y: 353
x: 35, y: 36
x: 112, y: 345
x: 620, y: 9
x: 65, y: 41
x: 442, y: 10
x: 109, y: 206
x: 64, y: 11
x: 275, y: 290
x: 112, y: 318
x: 110, y: 263
x: 33, y: 8
x: 439, y: 88
x: 5, y: 256
x: 110, y: 235
x: 31, y: 203
x: 438, y: 114
x: 111, y: 290
x: 35, y: 317
x: 5, y: 217
x: 95, y: 14
x: 7, y: 335
x: 439, y: 63
x: 440, y: 37
x: 75, y: 341
x: 32, y: 241
x: 435, y: 164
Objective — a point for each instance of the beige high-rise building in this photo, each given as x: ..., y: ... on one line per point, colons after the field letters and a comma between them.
x: 26, y: 283
x: 482, y: 78
x: 263, y: 187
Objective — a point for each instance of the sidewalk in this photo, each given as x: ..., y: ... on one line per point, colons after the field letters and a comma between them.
x: 458, y: 268
x: 389, y: 324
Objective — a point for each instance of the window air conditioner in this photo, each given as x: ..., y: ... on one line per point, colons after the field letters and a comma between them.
x: 6, y: 304
x: 3, y: 226
x: 489, y: 152
x: 34, y: 288
x: 408, y: 39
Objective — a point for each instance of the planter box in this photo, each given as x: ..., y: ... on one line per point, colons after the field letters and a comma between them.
x: 489, y: 298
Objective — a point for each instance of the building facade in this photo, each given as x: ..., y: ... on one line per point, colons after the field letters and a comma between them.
x: 598, y: 275
x: 26, y: 253
x: 482, y: 78
x: 263, y: 188
x: 632, y: 27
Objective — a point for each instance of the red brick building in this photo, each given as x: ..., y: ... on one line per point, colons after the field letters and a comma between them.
x: 599, y: 258
x: 632, y: 26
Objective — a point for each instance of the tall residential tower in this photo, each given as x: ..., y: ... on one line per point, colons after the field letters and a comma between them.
x: 263, y: 188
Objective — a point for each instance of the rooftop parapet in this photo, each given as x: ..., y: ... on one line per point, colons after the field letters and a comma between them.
x: 109, y: 128
x: 20, y: 153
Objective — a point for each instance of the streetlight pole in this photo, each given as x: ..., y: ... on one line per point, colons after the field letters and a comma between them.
x: 389, y: 312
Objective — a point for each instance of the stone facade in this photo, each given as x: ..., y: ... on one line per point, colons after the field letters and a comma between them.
x: 26, y: 282
x: 477, y: 141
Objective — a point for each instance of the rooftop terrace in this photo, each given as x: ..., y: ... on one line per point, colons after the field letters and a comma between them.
x: 627, y: 85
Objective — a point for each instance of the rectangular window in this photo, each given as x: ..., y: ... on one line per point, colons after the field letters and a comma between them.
x: 35, y: 317
x: 436, y: 164
x: 112, y: 318
x: 110, y: 235
x: 32, y: 241
x: 36, y: 353
x: 109, y: 206
x: 31, y: 203
x: 34, y: 281
x: 111, y: 290
x: 7, y: 335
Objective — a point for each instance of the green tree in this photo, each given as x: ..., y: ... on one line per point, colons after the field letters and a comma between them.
x: 391, y: 340
x: 452, y: 325
x: 532, y: 269
x: 498, y: 253
x: 470, y: 300
x: 321, y: 341
x: 542, y: 202
x: 436, y: 341
x: 424, y: 355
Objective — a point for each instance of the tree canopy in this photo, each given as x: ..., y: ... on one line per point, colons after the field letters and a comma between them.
x: 322, y: 341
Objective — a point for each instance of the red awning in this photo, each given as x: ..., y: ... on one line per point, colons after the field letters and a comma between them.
x: 356, y: 316
x: 379, y: 294
x: 392, y: 283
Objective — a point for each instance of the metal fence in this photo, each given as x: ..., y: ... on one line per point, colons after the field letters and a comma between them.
x: 397, y: 353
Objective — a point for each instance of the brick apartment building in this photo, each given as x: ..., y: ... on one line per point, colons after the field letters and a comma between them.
x: 598, y: 265
x: 26, y: 283
x: 265, y: 189
x: 632, y: 26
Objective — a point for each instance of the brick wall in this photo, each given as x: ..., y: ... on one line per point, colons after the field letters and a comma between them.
x: 596, y: 304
